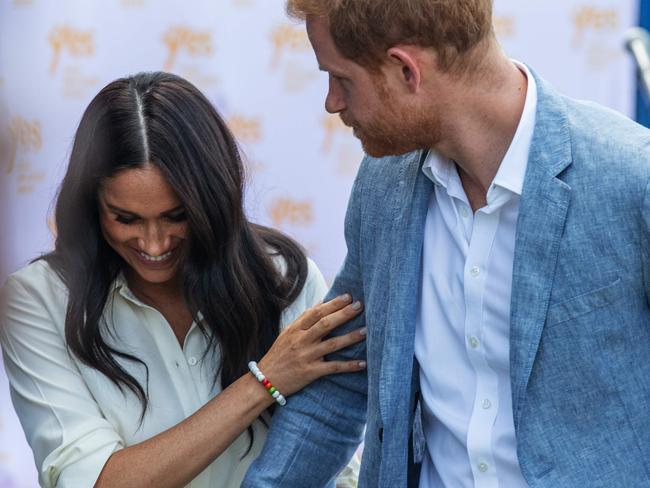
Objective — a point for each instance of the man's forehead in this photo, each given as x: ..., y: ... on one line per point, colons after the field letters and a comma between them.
x: 318, y: 32
x: 327, y: 55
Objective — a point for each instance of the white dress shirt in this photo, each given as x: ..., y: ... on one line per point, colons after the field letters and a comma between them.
x: 74, y: 417
x: 463, y: 323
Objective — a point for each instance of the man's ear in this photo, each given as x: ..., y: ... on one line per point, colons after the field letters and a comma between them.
x: 406, y: 60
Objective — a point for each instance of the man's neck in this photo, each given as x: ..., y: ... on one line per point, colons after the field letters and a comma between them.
x: 480, y: 126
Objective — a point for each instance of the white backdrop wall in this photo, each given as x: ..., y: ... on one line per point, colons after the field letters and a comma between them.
x: 258, y: 69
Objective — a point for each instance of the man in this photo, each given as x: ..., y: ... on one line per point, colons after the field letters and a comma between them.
x: 498, y: 233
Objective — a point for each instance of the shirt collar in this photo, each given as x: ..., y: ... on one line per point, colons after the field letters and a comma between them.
x: 121, y: 287
x: 512, y: 170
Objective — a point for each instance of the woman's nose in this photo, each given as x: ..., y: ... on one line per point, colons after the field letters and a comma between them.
x: 154, y: 241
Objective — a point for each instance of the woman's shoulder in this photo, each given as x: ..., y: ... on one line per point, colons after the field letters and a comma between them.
x: 35, y: 290
x: 312, y: 293
x: 37, y: 275
x: 314, y: 276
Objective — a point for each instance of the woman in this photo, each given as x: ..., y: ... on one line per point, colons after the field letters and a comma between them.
x: 127, y: 347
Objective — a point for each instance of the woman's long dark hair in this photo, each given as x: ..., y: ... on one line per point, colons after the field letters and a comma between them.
x: 228, y: 272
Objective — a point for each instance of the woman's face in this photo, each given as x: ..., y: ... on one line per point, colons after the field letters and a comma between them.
x: 143, y: 220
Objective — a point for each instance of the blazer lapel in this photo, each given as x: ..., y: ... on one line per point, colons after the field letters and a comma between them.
x: 410, y: 210
x: 543, y: 211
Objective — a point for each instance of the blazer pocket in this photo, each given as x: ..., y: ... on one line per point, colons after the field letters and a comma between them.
x: 585, y: 303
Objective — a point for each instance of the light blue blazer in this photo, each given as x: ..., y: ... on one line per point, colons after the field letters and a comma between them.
x: 579, y: 325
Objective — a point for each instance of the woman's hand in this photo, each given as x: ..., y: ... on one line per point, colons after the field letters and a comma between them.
x: 296, y: 357
x: 180, y: 453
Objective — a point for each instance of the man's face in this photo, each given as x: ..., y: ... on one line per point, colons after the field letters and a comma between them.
x: 384, y: 122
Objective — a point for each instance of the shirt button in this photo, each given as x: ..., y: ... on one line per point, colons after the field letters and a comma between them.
x: 482, y: 467
x: 464, y: 213
x: 473, y: 342
x: 487, y: 404
x: 475, y: 271
x: 192, y: 361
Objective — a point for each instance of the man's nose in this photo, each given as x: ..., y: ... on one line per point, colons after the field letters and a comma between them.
x: 334, y: 102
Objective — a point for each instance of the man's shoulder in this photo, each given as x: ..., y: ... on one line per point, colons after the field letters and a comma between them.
x: 607, y: 140
x: 597, y: 135
x: 610, y: 153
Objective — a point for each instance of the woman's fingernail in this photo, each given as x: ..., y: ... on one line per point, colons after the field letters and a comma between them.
x: 345, y: 297
x: 363, y: 331
x: 362, y: 364
x: 356, y: 305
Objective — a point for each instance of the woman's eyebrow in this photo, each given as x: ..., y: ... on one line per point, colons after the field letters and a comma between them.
x: 121, y: 210
x: 173, y: 210
x: 128, y: 212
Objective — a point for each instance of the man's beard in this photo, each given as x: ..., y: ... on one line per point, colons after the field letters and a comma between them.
x: 394, y: 131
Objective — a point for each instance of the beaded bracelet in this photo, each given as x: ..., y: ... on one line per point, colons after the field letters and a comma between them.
x: 252, y: 366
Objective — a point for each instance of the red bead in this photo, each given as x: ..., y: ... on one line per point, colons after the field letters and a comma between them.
x: 266, y: 383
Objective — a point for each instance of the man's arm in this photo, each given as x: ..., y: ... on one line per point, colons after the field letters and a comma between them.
x: 645, y: 246
x: 316, y: 433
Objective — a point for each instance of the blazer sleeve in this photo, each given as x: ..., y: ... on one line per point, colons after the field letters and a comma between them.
x: 70, y: 438
x: 645, y: 245
x: 313, y: 437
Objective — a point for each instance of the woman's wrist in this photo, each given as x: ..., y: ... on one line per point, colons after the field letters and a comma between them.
x: 256, y: 392
x: 261, y: 378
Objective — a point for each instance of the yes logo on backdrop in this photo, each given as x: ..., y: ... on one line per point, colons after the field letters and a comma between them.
x: 288, y: 38
x: 182, y: 38
x: 597, y: 31
x: 76, y: 43
x: 290, y: 50
x: 72, y: 45
x: 25, y: 137
x: 289, y: 212
x: 245, y: 129
x: 293, y: 216
x: 505, y: 26
x: 591, y: 18
x: 332, y: 125
x: 185, y: 43
x: 248, y: 132
x: 338, y: 140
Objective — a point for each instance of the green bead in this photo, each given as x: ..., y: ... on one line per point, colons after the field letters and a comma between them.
x: 272, y: 390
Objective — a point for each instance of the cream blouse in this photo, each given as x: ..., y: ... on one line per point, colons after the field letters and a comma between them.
x: 73, y: 416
